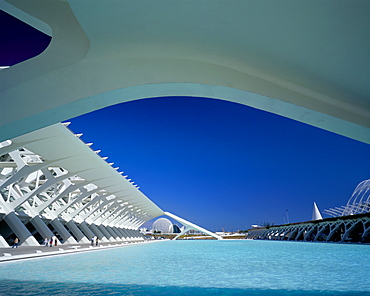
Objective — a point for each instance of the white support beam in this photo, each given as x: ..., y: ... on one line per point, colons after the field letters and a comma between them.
x: 191, y: 226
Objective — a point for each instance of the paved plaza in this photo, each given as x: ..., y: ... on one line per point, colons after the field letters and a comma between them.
x: 27, y: 252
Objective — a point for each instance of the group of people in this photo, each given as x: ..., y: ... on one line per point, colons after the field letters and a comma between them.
x: 50, y: 242
x: 53, y: 241
x: 95, y: 240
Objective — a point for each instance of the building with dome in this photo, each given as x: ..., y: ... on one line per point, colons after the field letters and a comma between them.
x: 163, y: 225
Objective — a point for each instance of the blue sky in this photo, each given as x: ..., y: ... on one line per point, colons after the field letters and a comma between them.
x: 215, y: 163
x: 225, y: 165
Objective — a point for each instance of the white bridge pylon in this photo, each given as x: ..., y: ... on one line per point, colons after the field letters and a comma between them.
x: 190, y: 226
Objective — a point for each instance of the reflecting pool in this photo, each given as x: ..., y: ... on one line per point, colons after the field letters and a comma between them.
x: 228, y: 267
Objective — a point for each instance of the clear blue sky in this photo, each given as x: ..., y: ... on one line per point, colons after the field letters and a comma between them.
x: 215, y: 163
x: 226, y: 165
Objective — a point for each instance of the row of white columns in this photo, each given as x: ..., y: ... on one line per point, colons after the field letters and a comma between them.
x: 42, y: 193
x: 71, y: 233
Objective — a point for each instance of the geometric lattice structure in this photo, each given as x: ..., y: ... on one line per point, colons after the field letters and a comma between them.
x: 358, y: 203
x: 53, y: 184
x: 51, y: 177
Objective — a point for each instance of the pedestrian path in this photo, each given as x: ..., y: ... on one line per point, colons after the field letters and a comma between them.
x: 26, y: 252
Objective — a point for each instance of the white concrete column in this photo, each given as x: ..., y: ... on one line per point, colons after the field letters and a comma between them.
x: 86, y: 230
x: 106, y: 233
x: 66, y: 236
x: 131, y: 234
x: 98, y: 233
x: 117, y: 232
x: 41, y: 227
x: 127, y: 234
x: 114, y: 235
x: 21, y: 231
x: 81, y: 238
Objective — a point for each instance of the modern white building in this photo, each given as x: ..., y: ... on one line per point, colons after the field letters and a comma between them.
x: 308, y: 61
x: 162, y: 225
x: 358, y: 203
x: 53, y: 184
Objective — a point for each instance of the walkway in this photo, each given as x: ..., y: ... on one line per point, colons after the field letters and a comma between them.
x: 26, y: 252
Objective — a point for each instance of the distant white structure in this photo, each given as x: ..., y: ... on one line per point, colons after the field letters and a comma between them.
x: 316, y: 215
x: 255, y: 226
x: 358, y: 203
x: 163, y: 225
x: 188, y: 226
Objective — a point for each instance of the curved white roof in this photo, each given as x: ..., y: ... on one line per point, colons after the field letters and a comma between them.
x: 58, y: 147
x: 163, y: 225
x: 306, y: 60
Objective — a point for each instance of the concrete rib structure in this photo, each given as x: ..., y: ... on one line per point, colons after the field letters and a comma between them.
x: 354, y: 228
x: 350, y: 223
x: 358, y: 203
x: 51, y: 176
x: 53, y: 184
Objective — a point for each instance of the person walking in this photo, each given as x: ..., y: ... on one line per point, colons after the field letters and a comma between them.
x: 16, y: 242
x: 55, y: 241
x: 51, y: 242
x: 96, y: 241
x: 46, y: 242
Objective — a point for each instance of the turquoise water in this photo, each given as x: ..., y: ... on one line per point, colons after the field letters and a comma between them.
x: 237, y: 267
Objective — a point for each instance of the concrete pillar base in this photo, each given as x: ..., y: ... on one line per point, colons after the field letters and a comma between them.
x: 60, y: 229
x: 123, y: 238
x: 21, y: 231
x: 3, y: 243
x: 30, y: 242
x: 70, y: 241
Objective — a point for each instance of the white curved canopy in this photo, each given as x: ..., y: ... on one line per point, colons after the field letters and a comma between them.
x: 306, y: 60
x: 67, y: 161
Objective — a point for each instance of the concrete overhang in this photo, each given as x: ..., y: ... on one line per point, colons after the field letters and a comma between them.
x: 100, y: 173
x: 306, y: 60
